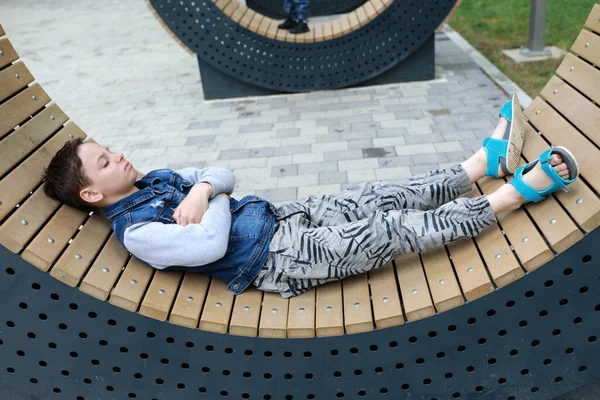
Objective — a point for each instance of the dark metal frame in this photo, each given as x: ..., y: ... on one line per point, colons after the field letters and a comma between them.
x: 356, y: 57
x: 533, y: 339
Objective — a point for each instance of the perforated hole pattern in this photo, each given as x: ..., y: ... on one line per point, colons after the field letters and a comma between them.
x: 297, y: 67
x: 535, y: 338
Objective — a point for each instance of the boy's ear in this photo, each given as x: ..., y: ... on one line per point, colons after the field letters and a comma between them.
x: 91, y: 196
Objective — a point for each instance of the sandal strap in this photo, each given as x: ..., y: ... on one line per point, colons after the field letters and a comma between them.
x: 495, y: 150
x: 528, y: 193
x: 506, y: 110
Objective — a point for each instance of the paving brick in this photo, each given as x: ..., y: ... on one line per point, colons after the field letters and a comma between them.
x: 361, y: 144
x: 389, y: 141
x: 347, y: 165
x: 280, y: 194
x: 418, y: 139
x: 333, y: 146
x: 284, y: 170
x: 411, y: 149
x: 307, y: 158
x: 285, y: 150
x: 298, y: 180
x: 393, y: 174
x: 318, y: 190
x: 287, y: 132
x: 448, y: 146
x: 392, y: 132
x: 316, y: 167
x: 342, y: 155
x: 339, y: 177
x: 395, y: 161
x: 361, y: 175
x: 199, y: 140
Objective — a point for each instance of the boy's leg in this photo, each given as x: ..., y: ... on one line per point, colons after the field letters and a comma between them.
x: 288, y: 7
x: 301, y: 7
x: 301, y: 257
x: 421, y: 192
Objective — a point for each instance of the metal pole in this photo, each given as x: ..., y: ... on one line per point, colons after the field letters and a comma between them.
x: 537, y: 25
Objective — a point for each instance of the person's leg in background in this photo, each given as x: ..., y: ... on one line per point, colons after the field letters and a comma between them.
x: 290, y: 10
x: 301, y: 9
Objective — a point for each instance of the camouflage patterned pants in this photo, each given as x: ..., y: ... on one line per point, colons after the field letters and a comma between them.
x: 330, y: 237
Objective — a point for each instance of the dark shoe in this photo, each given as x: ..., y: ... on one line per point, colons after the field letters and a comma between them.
x: 301, y: 27
x: 288, y: 23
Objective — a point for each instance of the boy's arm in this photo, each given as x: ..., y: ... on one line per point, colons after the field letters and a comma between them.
x: 162, y: 245
x: 221, y: 179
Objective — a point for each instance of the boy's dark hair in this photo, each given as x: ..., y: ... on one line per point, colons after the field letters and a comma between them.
x: 65, y: 177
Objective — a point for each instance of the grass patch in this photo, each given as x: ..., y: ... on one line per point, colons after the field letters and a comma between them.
x: 495, y: 26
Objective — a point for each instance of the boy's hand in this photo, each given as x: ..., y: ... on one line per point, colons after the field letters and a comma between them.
x: 192, y: 208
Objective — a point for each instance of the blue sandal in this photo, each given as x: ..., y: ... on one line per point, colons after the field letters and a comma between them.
x: 506, y: 152
x: 532, y: 195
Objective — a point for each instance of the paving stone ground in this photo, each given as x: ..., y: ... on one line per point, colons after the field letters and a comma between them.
x: 114, y: 70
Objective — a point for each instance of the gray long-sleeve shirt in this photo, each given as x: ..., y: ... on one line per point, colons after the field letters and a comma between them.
x: 162, y: 245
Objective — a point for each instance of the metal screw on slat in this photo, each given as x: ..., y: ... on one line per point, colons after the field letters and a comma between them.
x: 328, y: 308
x: 498, y: 255
x: 385, y: 299
x: 133, y: 281
x: 1, y: 53
x: 78, y: 256
x: 18, y: 76
x: 587, y: 44
x: 34, y: 98
x: 553, y: 221
x: 579, y: 200
x: 469, y: 269
x: 105, y: 269
x: 555, y: 91
x: 537, y: 112
x: 218, y: 304
x: 274, y: 311
x: 246, y: 308
x: 0, y: 203
x: 190, y: 298
x: 161, y: 291
x: 414, y: 291
x: 571, y: 69
x: 525, y: 239
x: 70, y: 135
x: 24, y: 222
x: 442, y: 281
x: 50, y: 240
x: 52, y: 117
x: 301, y: 309
x: 356, y: 305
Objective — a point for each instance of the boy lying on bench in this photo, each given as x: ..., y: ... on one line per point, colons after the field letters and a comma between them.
x: 186, y: 221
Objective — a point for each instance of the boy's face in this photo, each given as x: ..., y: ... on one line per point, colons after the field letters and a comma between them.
x: 112, y: 177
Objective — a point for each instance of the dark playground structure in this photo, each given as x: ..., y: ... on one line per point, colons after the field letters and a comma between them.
x: 511, y: 314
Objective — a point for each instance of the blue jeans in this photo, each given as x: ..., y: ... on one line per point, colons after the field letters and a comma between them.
x: 297, y: 9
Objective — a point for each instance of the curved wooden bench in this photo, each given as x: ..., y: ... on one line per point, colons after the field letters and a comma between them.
x: 265, y: 26
x: 80, y: 250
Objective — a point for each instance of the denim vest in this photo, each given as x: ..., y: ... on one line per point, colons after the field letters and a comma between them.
x: 252, y: 225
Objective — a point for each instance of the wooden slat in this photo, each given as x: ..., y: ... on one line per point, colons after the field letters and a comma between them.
x: 229, y: 10
x: 354, y: 21
x: 272, y: 29
x: 17, y: 185
x: 520, y: 230
x: 443, y: 286
x: 329, y: 310
x: 246, y: 312
x: 346, y: 24
x: 247, y: 18
x: 105, y: 271
x: 161, y: 294
x: 470, y: 269
x: 26, y: 138
x: 263, y: 27
x: 501, y: 262
x: 593, y: 21
x: 50, y: 242
x: 581, y: 75
x: 327, y: 31
x: 273, y: 317
x: 379, y: 5
x: 336, y: 27
x: 357, y: 304
x: 319, y: 34
x: 582, y: 203
x: 13, y: 79
x: 255, y: 22
x: 75, y: 261
x: 2, y: 33
x: 190, y: 299
x: 301, y: 315
x: 8, y: 53
x: 307, y: 37
x: 19, y: 108
x: 221, y: 4
x: 559, y: 132
x: 387, y: 310
x: 576, y: 108
x: 587, y: 45
x: 369, y: 10
x: 281, y: 34
x: 239, y: 13
x: 132, y: 285
x: 413, y: 286
x: 217, y: 308
x: 27, y: 220
x: 362, y: 16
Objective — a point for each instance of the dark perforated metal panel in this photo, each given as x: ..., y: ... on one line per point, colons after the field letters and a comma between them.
x: 295, y: 67
x: 533, y: 339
